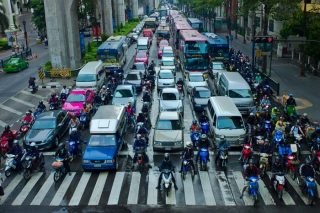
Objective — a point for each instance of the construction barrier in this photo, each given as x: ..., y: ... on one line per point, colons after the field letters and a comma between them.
x: 61, y: 73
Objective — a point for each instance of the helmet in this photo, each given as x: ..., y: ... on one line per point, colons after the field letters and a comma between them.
x: 40, y: 102
x: 166, y: 156
x: 290, y: 95
x: 305, y: 114
x: 33, y: 144
x: 189, y: 144
x: 7, y: 128
x: 275, y: 108
x: 140, y: 113
x: 53, y: 94
x: 265, y: 96
x: 203, y: 136
x: 251, y: 162
x: 104, y: 87
x: 64, y: 86
x: 251, y: 114
x: 194, y: 122
x: 138, y: 136
x: 277, y: 159
x: 15, y: 142
x: 222, y: 138
x: 129, y: 103
x: 28, y: 113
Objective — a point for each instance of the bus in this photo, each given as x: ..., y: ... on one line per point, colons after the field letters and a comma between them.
x: 112, y: 53
x: 218, y: 47
x: 151, y: 23
x: 193, y: 52
x: 163, y: 32
x: 180, y: 24
x: 196, y: 24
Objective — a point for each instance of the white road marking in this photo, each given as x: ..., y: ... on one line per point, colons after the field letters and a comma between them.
x: 3, y: 124
x: 9, y: 109
x: 12, y: 185
x: 240, y: 183
x: 152, y: 198
x: 225, y: 189
x: 43, y: 191
x: 297, y: 189
x: 171, y: 198
x: 188, y: 190
x: 98, y: 189
x: 62, y: 190
x: 116, y: 188
x: 75, y: 200
x: 266, y: 196
x: 22, y: 102
x: 206, y: 188
x: 35, y: 95
x: 27, y: 188
x: 134, y: 188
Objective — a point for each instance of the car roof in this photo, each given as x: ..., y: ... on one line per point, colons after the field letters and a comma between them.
x: 79, y: 91
x: 167, y: 48
x: 225, y: 106
x: 124, y: 86
x: 201, y: 88
x: 236, y: 81
x: 49, y: 114
x: 170, y: 90
x: 169, y: 115
x: 166, y: 71
x: 167, y: 59
x: 134, y: 72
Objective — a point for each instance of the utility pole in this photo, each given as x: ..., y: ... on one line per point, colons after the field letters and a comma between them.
x: 25, y: 34
x: 305, y: 33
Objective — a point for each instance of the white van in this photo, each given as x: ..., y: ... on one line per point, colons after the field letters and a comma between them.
x: 225, y: 119
x: 143, y: 43
x: 92, y: 76
x: 233, y: 85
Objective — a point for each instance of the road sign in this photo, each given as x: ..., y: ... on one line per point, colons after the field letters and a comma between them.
x: 41, y: 74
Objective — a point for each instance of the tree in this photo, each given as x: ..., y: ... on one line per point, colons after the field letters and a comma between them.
x: 4, y: 22
x: 38, y: 16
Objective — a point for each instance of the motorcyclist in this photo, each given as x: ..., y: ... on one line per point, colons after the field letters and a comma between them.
x: 275, y: 112
x: 141, y: 118
x: 151, y: 66
x: 7, y: 133
x: 62, y: 153
x: 250, y: 171
x: 265, y: 101
x: 16, y: 149
x: 306, y: 169
x: 87, y: 107
x: 33, y: 152
x: 203, y: 118
x: 180, y: 82
x: 74, y: 124
x: 258, y: 78
x: 28, y: 118
x: 130, y: 109
x: 203, y: 143
x: 41, y: 106
x: 64, y: 92
x: 103, y: 90
x: 146, y: 97
x: 54, y: 99
x: 304, y: 120
x: 32, y: 82
x: 281, y: 125
x: 267, y: 148
x: 296, y: 130
x: 291, y: 101
x: 251, y: 119
x: 188, y: 155
x: 277, y: 167
x: 143, y: 131
x: 194, y: 126
x: 223, y: 145
x: 139, y: 144
x: 166, y: 164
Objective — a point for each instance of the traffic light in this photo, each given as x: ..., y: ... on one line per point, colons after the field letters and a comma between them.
x: 264, y: 43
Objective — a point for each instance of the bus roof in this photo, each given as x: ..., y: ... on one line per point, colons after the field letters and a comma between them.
x: 182, y: 25
x: 192, y: 35
x: 194, y: 20
x: 215, y: 39
x: 112, y: 42
x: 150, y: 20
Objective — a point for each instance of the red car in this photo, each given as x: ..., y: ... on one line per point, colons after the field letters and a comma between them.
x: 76, y: 99
x: 163, y: 43
x: 142, y: 56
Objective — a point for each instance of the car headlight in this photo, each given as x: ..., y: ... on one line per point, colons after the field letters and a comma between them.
x: 178, y: 143
x: 109, y: 161
x: 157, y: 143
x: 86, y: 161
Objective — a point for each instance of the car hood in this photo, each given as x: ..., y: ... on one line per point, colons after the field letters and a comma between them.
x: 166, y: 81
x: 201, y: 101
x: 122, y: 101
x: 197, y: 84
x: 243, y: 101
x: 38, y: 134
x: 72, y: 106
x: 168, y: 135
x: 167, y: 67
x: 134, y: 82
x: 99, y: 153
x: 170, y: 104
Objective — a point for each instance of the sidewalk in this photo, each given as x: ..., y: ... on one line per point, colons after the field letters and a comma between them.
x: 287, y: 73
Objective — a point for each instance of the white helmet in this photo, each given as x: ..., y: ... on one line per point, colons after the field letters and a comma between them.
x: 33, y: 144
x: 189, y: 144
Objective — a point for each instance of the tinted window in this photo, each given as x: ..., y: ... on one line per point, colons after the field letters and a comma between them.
x: 229, y: 122
x: 44, y: 124
x: 133, y: 77
x: 165, y: 75
x: 76, y: 98
x: 169, y: 125
x: 218, y: 66
x: 202, y: 94
x: 86, y: 78
x: 102, y: 140
x: 169, y: 96
x: 168, y: 63
x: 196, y: 78
x: 124, y: 93
x: 240, y: 93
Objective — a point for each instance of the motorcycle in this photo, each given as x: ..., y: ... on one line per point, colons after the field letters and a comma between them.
x: 74, y: 148
x: 263, y: 163
x: 268, y: 128
x: 278, y: 137
x: 29, y: 164
x: 246, y: 153
x: 138, y: 126
x: 223, y: 158
x: 59, y: 169
x: 195, y: 138
x: 4, y: 145
x: 311, y: 189
x: 11, y: 164
x: 204, y: 127
x: 33, y: 89
x: 253, y: 189
x: 180, y: 88
x: 24, y: 128
x: 204, y: 153
x: 37, y: 112
x: 167, y: 181
x: 186, y: 167
x: 83, y: 120
x: 291, y: 166
x: 53, y: 106
x: 63, y: 98
x: 278, y: 183
x: 291, y: 111
x: 142, y: 158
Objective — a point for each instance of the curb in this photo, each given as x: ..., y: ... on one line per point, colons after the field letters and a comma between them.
x: 49, y: 87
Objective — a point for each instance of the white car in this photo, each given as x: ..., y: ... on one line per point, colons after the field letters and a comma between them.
x: 171, y: 100
x: 195, y: 79
x: 165, y: 79
x: 216, y: 67
x: 167, y: 63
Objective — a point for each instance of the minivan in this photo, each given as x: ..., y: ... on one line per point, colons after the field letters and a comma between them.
x: 91, y: 76
x: 143, y: 43
x: 225, y: 119
x: 107, y: 130
x: 233, y: 85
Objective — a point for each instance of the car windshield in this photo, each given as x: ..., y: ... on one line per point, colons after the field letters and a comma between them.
x: 123, y: 93
x: 139, y: 66
x: 163, y: 43
x: 142, y: 47
x: 168, y: 63
x: 218, y: 66
x: 167, y: 54
x: 169, y: 125
x: 240, y: 93
x: 102, y: 140
x: 169, y: 96
x: 75, y: 98
x: 229, y: 122
x: 202, y: 94
x: 196, y: 78
x: 133, y: 77
x: 44, y: 124
x: 14, y: 61
x: 86, y: 78
x: 141, y: 55
x: 165, y: 75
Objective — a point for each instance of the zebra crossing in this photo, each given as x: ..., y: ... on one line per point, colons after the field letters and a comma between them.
x: 208, y: 188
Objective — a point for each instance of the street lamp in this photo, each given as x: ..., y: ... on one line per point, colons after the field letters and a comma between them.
x: 25, y: 34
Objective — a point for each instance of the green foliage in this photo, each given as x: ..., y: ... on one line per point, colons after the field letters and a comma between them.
x: 4, y: 22
x: 127, y: 28
x: 38, y: 16
x: 48, y: 66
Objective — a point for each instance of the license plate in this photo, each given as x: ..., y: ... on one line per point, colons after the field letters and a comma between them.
x: 97, y: 165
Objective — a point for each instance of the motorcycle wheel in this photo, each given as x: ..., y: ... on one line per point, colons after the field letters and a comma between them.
x: 27, y: 174
x: 280, y: 194
x: 56, y: 176
x: 183, y: 175
x: 7, y: 173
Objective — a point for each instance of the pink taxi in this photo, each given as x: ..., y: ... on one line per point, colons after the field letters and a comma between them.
x: 76, y: 99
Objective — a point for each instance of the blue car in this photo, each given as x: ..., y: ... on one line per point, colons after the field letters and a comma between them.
x: 101, y: 152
